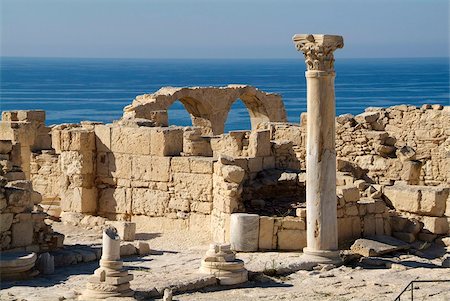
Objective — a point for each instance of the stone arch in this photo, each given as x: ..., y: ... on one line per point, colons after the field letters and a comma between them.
x: 209, y: 106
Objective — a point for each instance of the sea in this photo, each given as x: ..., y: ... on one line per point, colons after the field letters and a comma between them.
x: 75, y: 89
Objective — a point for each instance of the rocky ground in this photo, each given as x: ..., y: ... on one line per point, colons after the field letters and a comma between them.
x: 178, y: 258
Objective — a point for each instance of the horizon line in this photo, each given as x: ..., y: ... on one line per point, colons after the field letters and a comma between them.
x: 212, y: 58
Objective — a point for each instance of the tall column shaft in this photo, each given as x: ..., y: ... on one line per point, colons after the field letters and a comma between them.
x: 321, y: 201
x: 321, y: 213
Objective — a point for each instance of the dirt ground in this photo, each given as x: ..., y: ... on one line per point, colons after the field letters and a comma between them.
x: 180, y: 257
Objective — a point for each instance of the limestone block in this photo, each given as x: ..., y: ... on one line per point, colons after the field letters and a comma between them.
x: 22, y: 234
x: 405, y: 224
x: 348, y: 228
x: 78, y: 139
x: 197, y: 187
x: 201, y: 165
x: 5, y: 221
x: 127, y: 249
x: 377, y: 246
x: 19, y: 198
x: 351, y: 210
x: 406, y: 153
x: 131, y: 140
x: 202, y: 207
x: 433, y: 200
x: 126, y: 230
x: 426, y: 200
x: 379, y: 225
x: 149, y: 202
x: 367, y: 117
x: 265, y: 232
x: 166, y: 141
x: 436, y: 225
x: 293, y: 223
x: 259, y: 143
x: 79, y: 199
x: 114, y: 200
x: 46, y: 264
x: 149, y: 168
x: 301, y: 212
x: 361, y: 184
x: 5, y: 146
x: 255, y: 164
x: 15, y: 175
x: 119, y: 165
x: 102, y: 137
x: 244, y: 232
x: 233, y: 174
x: 180, y: 164
x: 30, y: 115
x: 369, y: 225
x: 411, y: 172
x: 291, y: 240
x: 268, y: 162
x: 350, y: 193
x: 179, y: 204
x: 76, y: 163
x: 447, y: 208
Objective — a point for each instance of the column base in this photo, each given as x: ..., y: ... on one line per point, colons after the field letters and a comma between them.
x: 321, y: 257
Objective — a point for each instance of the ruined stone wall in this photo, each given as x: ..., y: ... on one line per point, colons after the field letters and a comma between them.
x: 26, y: 130
x: 387, y: 144
x: 170, y: 178
x: 22, y: 226
x: 134, y: 173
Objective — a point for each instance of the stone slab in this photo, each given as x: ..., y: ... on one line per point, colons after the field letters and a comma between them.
x: 378, y: 245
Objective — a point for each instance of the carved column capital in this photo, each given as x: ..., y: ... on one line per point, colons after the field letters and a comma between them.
x: 318, y: 50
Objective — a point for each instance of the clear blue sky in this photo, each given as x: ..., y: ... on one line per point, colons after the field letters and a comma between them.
x: 220, y: 29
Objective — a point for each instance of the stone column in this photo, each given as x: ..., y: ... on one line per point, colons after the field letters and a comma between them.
x: 321, y: 212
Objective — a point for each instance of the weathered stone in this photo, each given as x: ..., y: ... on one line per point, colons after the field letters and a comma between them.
x: 378, y: 245
x: 418, y: 199
x: 265, y: 232
x: 367, y: 117
x: 5, y: 221
x: 5, y: 146
x: 244, y: 232
x: 234, y: 174
x: 259, y: 144
x: 406, y: 153
x: 46, y: 264
x: 126, y: 230
x: 406, y: 237
x: 436, y: 225
x: 22, y: 234
x: 127, y: 249
x: 349, y: 193
x: 131, y: 140
x: 291, y: 239
x: 166, y: 141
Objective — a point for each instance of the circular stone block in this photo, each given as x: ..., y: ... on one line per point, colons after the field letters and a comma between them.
x: 17, y: 265
x: 244, y: 232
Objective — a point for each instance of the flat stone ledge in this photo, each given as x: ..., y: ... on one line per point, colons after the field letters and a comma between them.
x: 191, y: 282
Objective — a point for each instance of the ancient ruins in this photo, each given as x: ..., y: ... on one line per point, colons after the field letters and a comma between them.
x: 314, y: 186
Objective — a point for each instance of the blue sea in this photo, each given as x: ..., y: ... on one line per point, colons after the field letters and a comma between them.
x: 71, y: 90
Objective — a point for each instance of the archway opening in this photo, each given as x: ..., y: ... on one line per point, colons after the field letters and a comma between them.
x: 178, y: 115
x: 238, y: 117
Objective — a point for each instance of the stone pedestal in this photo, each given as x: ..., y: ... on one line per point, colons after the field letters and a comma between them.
x: 321, y: 213
x: 221, y: 262
x: 244, y: 232
x: 17, y: 266
x: 111, y: 279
